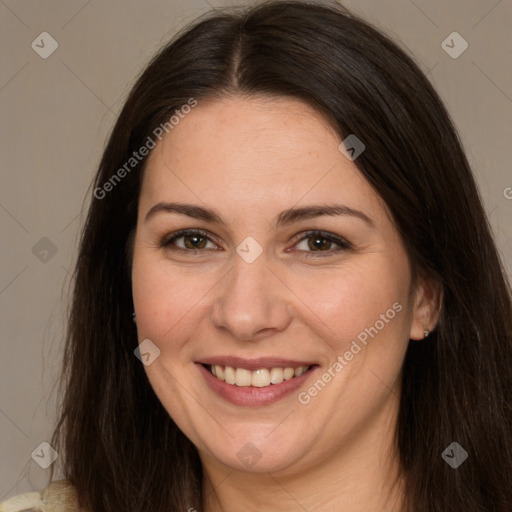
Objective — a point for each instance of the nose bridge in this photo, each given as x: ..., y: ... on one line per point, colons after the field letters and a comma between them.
x: 251, y: 299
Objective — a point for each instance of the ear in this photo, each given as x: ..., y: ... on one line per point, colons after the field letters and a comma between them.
x: 428, y: 299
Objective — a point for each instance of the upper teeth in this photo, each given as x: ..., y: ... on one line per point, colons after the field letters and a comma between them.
x: 259, y: 378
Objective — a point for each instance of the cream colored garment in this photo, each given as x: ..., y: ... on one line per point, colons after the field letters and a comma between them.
x: 58, y: 496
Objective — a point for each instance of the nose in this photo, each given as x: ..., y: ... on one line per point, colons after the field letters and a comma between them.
x: 252, y: 302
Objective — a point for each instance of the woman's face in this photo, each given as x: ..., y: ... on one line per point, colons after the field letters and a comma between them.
x: 256, y: 298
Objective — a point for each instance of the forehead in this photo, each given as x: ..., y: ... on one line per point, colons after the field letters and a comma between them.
x: 249, y: 154
x: 226, y: 128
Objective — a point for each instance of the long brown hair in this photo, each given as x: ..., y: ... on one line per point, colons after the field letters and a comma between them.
x: 121, y: 450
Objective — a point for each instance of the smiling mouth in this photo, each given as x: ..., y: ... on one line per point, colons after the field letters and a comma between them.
x: 260, y: 378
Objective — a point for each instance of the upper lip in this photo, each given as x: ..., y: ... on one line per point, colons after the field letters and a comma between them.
x: 254, y: 364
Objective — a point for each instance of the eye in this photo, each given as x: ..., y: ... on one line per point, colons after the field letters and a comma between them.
x: 193, y: 240
x: 320, y: 242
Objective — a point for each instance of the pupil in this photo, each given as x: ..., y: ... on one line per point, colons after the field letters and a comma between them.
x: 319, y: 243
x: 194, y: 244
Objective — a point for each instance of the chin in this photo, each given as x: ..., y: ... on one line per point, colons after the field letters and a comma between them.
x: 259, y: 454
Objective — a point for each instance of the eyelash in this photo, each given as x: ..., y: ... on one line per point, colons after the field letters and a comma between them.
x: 344, y: 244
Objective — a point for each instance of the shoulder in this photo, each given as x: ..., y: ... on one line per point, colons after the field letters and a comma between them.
x: 58, y: 496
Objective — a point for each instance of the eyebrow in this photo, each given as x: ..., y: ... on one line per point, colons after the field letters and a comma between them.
x: 284, y: 218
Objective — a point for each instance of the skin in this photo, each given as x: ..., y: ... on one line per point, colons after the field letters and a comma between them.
x: 249, y: 159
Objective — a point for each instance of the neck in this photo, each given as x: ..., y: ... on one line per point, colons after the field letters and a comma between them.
x: 363, y: 475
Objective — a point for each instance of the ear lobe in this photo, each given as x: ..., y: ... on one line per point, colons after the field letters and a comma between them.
x: 427, y: 307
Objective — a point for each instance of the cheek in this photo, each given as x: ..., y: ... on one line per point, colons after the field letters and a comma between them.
x: 358, y: 297
x: 167, y: 300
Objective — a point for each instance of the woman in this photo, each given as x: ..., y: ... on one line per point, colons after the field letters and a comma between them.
x: 287, y: 295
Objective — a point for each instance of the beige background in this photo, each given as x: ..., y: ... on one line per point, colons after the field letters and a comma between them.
x: 57, y: 112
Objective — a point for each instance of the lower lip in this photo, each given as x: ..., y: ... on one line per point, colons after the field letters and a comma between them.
x: 253, y: 396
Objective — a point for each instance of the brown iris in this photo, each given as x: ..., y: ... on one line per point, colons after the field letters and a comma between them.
x: 197, y: 241
x: 318, y: 242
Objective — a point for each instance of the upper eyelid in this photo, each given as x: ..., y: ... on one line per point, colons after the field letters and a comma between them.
x: 186, y: 232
